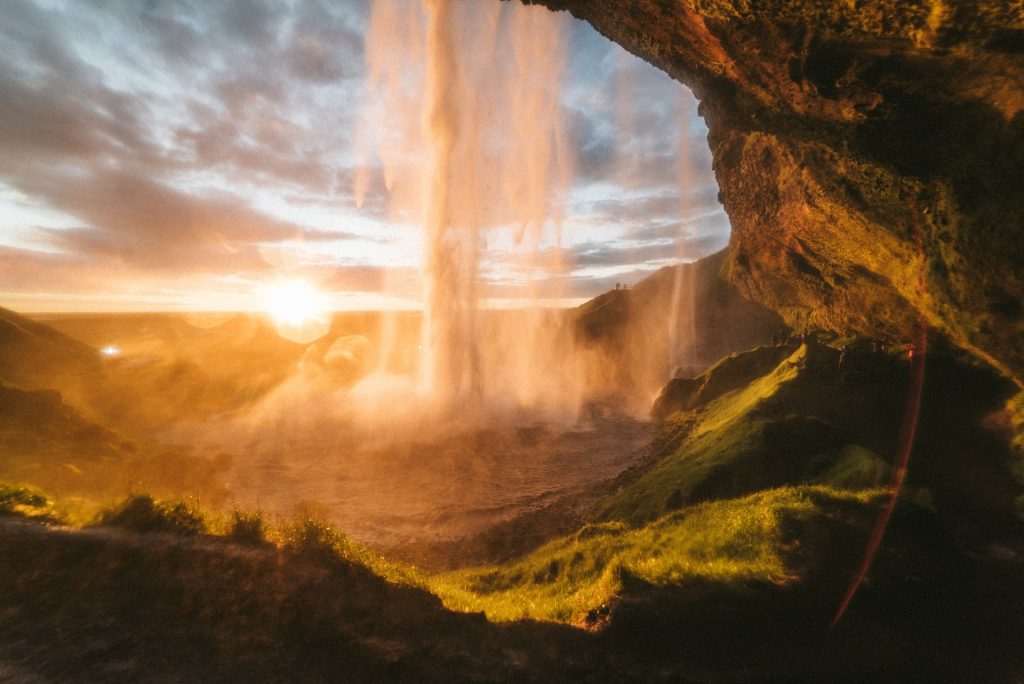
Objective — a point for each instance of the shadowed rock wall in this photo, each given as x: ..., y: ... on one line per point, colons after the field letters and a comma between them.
x: 870, y: 155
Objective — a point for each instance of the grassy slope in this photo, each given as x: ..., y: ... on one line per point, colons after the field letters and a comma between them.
x: 756, y: 426
x: 683, y: 521
x: 725, y: 431
x: 575, y: 579
x: 767, y: 452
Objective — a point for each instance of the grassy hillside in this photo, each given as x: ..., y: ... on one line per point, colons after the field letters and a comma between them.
x: 732, y: 543
x: 735, y: 590
x: 782, y: 416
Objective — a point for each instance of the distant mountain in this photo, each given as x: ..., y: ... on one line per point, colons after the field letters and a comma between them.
x: 66, y: 414
x: 170, y: 367
x: 34, y: 355
x: 49, y: 443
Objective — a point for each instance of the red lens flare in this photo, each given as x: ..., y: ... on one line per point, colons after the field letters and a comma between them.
x: 908, y: 430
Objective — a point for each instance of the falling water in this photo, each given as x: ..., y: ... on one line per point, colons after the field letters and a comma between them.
x: 682, y: 320
x: 466, y: 114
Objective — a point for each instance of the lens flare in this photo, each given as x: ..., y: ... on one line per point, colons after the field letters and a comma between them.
x: 298, y: 310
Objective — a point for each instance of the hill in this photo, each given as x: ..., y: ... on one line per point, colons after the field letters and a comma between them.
x: 78, y: 424
x: 679, y: 320
x: 34, y: 355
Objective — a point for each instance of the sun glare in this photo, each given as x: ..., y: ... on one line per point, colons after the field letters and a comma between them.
x: 294, y: 302
x: 298, y: 310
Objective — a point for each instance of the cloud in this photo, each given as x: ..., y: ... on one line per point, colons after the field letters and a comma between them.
x: 183, y: 137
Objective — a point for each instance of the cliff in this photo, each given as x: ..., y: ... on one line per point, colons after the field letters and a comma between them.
x: 869, y: 155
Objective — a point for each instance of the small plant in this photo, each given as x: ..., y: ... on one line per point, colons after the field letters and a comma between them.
x: 19, y: 500
x: 314, y: 537
x: 248, y: 528
x: 143, y: 513
x: 14, y: 496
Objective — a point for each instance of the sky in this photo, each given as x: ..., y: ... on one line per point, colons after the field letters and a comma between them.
x: 181, y: 154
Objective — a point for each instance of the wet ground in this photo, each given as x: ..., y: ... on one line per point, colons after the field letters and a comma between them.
x: 449, y: 486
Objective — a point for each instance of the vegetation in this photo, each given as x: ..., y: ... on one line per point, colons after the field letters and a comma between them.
x: 143, y: 513
x: 761, y: 420
x: 247, y: 528
x: 728, y: 429
x: 24, y: 501
x: 319, y: 540
x: 576, y: 578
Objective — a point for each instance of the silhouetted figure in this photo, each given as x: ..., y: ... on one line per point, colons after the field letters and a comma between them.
x: 842, y: 359
x: 803, y: 336
x: 909, y: 348
x: 617, y: 286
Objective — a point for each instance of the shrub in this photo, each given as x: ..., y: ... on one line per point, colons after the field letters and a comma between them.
x: 247, y: 528
x: 13, y: 497
x: 143, y: 513
x: 314, y: 537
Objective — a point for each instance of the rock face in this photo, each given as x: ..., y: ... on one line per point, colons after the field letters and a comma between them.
x: 870, y: 155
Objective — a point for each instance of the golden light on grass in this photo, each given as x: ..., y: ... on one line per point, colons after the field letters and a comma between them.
x: 298, y: 310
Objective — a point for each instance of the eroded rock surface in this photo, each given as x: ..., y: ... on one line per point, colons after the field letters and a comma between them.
x: 870, y: 155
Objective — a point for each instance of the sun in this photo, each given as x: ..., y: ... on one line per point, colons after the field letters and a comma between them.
x: 299, y: 311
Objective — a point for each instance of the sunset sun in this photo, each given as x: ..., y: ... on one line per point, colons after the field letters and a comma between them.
x: 298, y: 310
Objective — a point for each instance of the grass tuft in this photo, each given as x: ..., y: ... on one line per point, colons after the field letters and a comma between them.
x: 26, y: 502
x: 247, y: 528
x: 143, y: 513
x: 315, y: 538
x: 13, y: 497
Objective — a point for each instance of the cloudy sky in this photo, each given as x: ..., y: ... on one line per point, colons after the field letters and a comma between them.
x: 180, y: 154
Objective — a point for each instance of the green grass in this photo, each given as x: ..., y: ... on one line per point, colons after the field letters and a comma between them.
x: 321, y: 541
x: 727, y: 429
x: 857, y: 468
x: 730, y: 541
